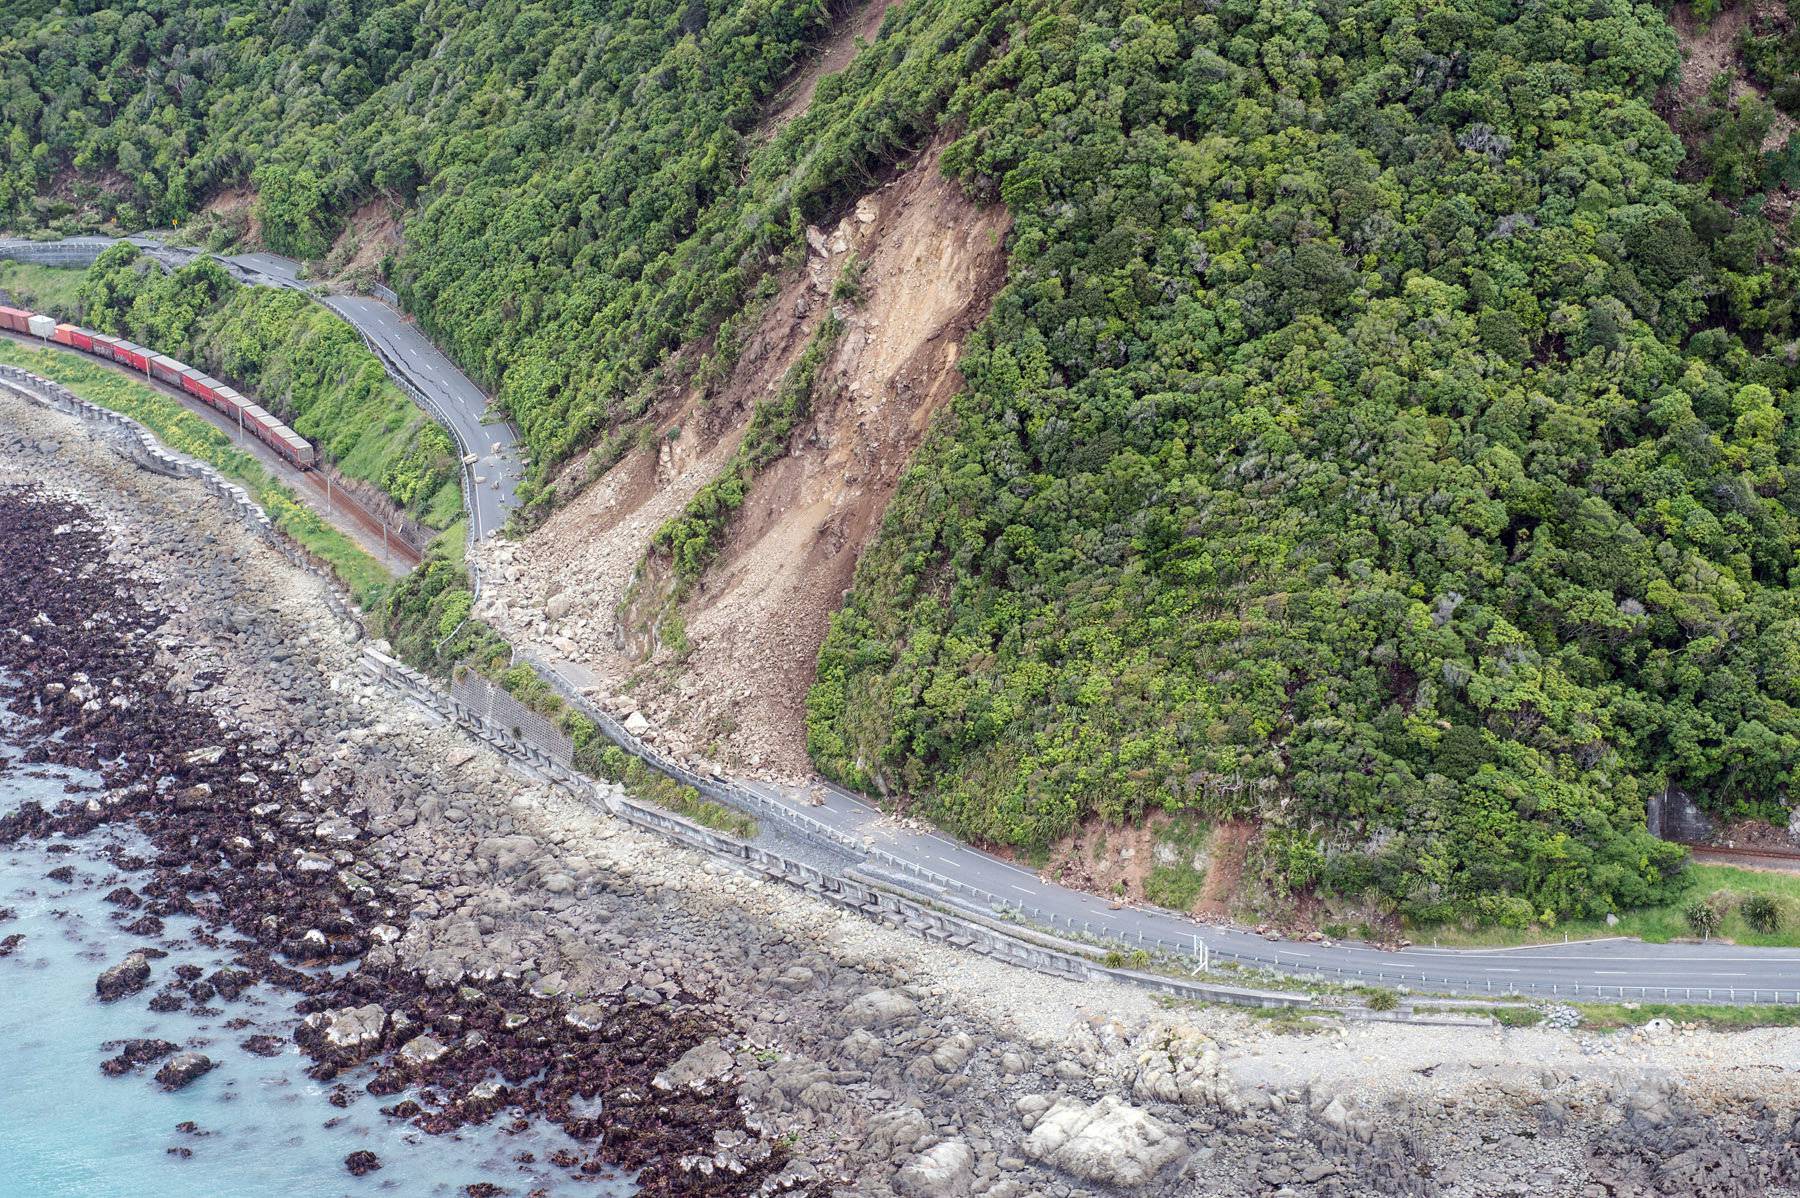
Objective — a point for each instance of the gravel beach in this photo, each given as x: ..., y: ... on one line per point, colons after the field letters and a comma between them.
x: 445, y: 924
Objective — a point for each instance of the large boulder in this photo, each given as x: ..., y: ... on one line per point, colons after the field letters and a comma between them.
x: 421, y: 1051
x: 344, y: 1036
x: 1110, y: 1142
x: 127, y: 977
x: 880, y: 1008
x: 944, y: 1171
x: 183, y: 1069
x: 696, y: 1069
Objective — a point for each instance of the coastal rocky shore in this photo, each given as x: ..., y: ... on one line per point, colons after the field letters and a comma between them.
x: 497, y: 951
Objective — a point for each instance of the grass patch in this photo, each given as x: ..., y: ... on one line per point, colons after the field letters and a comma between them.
x: 41, y: 288
x: 642, y: 782
x: 1728, y: 885
x: 1294, y: 1021
x: 185, y: 432
x: 1504, y: 1016
x: 1718, y: 1017
x: 1174, y: 886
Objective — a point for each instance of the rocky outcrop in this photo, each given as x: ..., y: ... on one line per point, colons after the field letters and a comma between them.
x: 362, y: 1163
x: 943, y: 1171
x: 697, y: 1069
x: 127, y: 977
x: 879, y: 1009
x: 1109, y: 1142
x: 135, y: 1054
x: 345, y: 1036
x: 183, y: 1069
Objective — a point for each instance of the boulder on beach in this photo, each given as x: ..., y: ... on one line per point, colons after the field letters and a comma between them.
x: 944, y: 1171
x: 183, y: 1069
x: 1109, y: 1142
x: 422, y: 1050
x: 127, y: 977
x: 344, y: 1036
x: 880, y: 1008
x: 696, y: 1069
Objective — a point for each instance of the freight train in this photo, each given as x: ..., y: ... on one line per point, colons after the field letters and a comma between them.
x: 249, y: 417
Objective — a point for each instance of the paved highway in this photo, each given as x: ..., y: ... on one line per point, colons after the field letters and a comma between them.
x: 1616, y: 967
x: 490, y: 482
x: 953, y: 873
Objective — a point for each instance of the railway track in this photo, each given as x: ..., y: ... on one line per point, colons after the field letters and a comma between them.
x: 340, y: 508
x: 1773, y: 858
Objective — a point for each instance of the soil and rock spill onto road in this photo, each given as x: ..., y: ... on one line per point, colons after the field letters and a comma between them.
x: 273, y: 873
x: 488, y: 941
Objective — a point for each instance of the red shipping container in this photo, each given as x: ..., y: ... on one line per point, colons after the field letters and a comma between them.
x: 15, y: 319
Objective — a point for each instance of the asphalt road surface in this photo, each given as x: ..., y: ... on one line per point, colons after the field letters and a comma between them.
x: 954, y: 873
x: 1611, y: 968
x: 490, y: 482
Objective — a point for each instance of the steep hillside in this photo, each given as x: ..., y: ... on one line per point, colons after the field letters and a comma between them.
x: 720, y: 654
x: 1381, y: 455
x: 1304, y: 475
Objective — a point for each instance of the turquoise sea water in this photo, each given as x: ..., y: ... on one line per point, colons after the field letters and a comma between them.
x: 263, y: 1126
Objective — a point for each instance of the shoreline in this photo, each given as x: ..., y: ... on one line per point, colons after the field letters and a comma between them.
x: 883, y: 1065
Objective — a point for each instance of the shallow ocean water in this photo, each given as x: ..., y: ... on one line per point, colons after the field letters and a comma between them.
x: 263, y: 1127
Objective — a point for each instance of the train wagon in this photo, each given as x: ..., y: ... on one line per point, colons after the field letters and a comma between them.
x: 203, y: 387
x: 130, y: 354
x: 165, y: 369
x: 74, y: 336
x: 251, y: 417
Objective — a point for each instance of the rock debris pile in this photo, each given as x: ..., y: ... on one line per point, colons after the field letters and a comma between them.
x: 499, y: 951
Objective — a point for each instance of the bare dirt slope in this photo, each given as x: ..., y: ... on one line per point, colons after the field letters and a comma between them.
x: 370, y: 234
x: 932, y: 260
x: 828, y: 58
x: 1711, y: 49
x: 566, y: 582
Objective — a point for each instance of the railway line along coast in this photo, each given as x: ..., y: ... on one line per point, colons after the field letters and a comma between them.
x: 927, y: 868
x: 805, y: 1033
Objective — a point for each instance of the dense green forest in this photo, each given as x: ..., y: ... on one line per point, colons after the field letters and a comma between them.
x: 295, y: 357
x: 1388, y: 430
x: 1379, y: 437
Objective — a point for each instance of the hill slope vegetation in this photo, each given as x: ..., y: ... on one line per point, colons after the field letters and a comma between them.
x: 1387, y: 431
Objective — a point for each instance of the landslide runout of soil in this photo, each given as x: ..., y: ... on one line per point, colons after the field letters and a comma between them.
x: 929, y: 262
x: 898, y: 1069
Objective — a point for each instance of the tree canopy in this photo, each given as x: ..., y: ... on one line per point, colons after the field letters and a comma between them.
x: 1388, y: 429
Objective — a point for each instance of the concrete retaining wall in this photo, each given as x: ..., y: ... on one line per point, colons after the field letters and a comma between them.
x: 1673, y: 815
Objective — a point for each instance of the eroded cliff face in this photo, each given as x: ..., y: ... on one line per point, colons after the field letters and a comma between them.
x: 927, y: 261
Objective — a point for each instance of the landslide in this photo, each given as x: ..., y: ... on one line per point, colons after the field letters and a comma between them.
x: 913, y: 266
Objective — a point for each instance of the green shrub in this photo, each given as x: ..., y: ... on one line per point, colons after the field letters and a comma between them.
x: 1703, y: 917
x: 1762, y: 912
